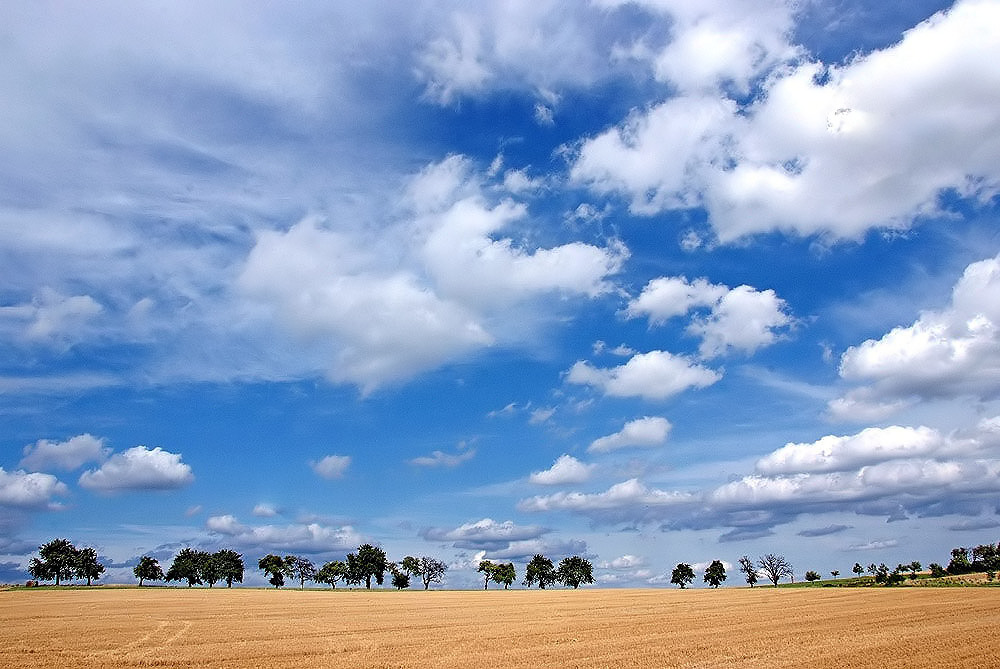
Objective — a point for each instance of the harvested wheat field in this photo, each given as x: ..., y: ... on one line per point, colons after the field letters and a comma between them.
x: 834, y: 627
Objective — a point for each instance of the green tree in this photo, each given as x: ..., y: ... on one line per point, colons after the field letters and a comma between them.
x: 858, y: 569
x: 276, y: 567
x: 775, y: 567
x: 959, y: 561
x: 430, y: 570
x: 682, y: 575
x: 148, y: 569
x: 400, y: 578
x: 812, y: 576
x: 230, y: 566
x: 331, y: 572
x: 488, y: 569
x: 913, y: 568
x: 575, y: 570
x: 541, y: 571
x: 369, y: 562
x: 749, y: 570
x: 57, y: 560
x: 187, y: 566
x: 410, y: 565
x: 835, y: 573
x: 937, y: 571
x: 505, y: 573
x: 211, y: 569
x: 87, y: 565
x: 300, y: 568
x: 715, y: 574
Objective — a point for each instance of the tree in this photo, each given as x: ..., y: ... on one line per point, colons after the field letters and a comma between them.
x: 276, y: 567
x: 575, y: 570
x: 858, y: 569
x: 87, y: 565
x: 410, y: 565
x: 211, y: 569
x: 300, y: 568
x: 400, y: 579
x: 749, y: 570
x: 148, y: 569
x: 541, y: 571
x: 872, y: 568
x: 187, y: 566
x: 715, y: 574
x: 812, y: 576
x: 682, y: 575
x: 369, y: 562
x: 913, y: 568
x: 331, y: 572
x: 57, y: 560
x: 505, y: 573
x: 488, y: 569
x: 959, y: 561
x: 835, y: 573
x: 430, y: 570
x: 230, y: 566
x: 937, y: 571
x: 775, y: 567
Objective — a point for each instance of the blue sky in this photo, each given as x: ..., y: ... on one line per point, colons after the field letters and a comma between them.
x: 648, y: 281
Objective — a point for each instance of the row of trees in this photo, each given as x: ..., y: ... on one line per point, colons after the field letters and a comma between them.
x: 774, y: 567
x: 572, y: 572
x: 366, y: 564
x: 59, y: 559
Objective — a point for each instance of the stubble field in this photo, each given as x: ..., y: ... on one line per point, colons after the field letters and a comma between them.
x: 833, y: 627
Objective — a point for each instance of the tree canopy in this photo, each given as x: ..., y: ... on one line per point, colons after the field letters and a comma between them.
x: 775, y: 567
x: 715, y: 574
x: 682, y: 575
x: 57, y: 561
x: 369, y: 562
x: 541, y: 571
x: 148, y: 569
x: 575, y: 570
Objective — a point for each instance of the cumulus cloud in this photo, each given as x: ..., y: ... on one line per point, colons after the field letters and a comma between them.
x: 331, y: 466
x: 484, y: 535
x: 954, y: 352
x: 307, y: 537
x: 68, y: 455
x: 566, y: 469
x: 19, y: 489
x: 741, y: 318
x: 265, y: 510
x: 646, y: 432
x: 139, y: 468
x: 894, y: 472
x: 835, y: 150
x: 655, y: 375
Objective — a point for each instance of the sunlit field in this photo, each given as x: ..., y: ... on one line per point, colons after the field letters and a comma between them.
x: 833, y: 627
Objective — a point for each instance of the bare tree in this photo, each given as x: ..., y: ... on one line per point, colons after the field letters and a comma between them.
x: 775, y: 567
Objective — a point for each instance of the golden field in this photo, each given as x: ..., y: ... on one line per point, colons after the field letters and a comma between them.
x: 762, y: 627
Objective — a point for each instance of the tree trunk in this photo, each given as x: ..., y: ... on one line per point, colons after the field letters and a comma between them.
x: 368, y: 582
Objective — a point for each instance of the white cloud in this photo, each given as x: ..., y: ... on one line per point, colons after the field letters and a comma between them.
x: 741, y: 318
x: 30, y: 491
x: 331, y: 466
x: 835, y: 150
x: 52, y: 318
x: 840, y: 453
x: 628, y: 494
x: 655, y: 375
x: 306, y: 537
x: 442, y: 459
x: 646, y: 432
x: 68, y: 455
x: 950, y: 353
x: 717, y: 43
x: 566, y: 469
x: 484, y: 535
x: 265, y: 510
x: 139, y: 468
x: 625, y: 562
